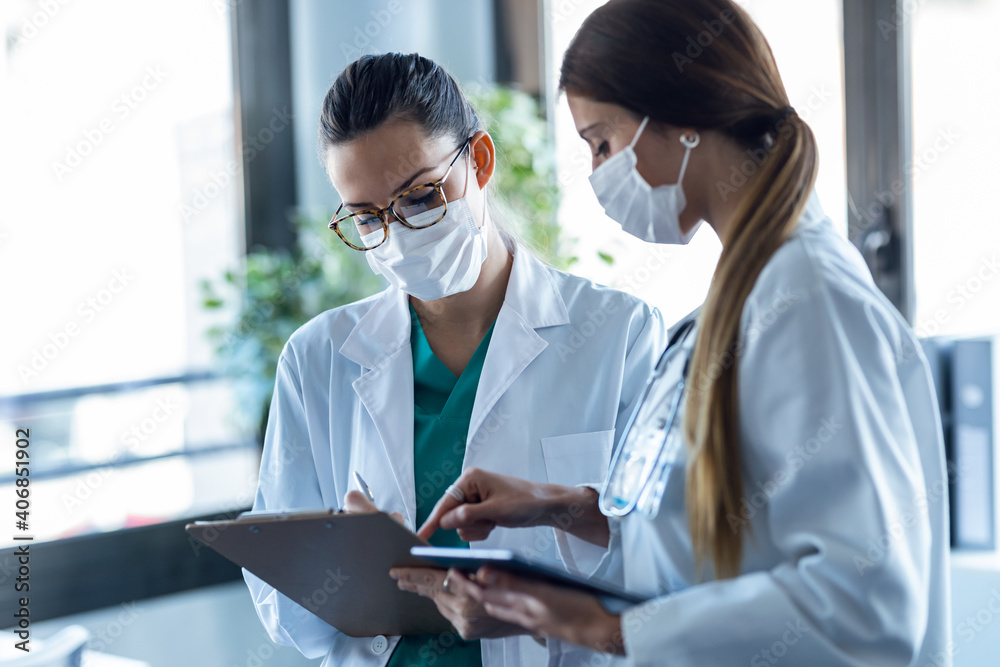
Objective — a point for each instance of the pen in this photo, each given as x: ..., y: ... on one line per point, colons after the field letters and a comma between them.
x: 364, y: 487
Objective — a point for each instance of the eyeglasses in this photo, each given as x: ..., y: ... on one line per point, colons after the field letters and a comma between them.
x: 417, y: 208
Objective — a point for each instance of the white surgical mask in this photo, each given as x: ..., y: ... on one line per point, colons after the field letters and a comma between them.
x: 651, y: 214
x: 434, y: 262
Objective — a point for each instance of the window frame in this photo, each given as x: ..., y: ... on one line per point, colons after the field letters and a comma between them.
x: 97, y: 570
x: 878, y: 144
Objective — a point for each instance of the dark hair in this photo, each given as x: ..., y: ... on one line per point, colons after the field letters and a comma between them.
x: 393, y: 86
x: 688, y: 63
x: 705, y: 64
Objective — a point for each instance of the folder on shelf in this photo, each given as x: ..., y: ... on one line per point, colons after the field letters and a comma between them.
x: 336, y: 565
x: 974, y: 440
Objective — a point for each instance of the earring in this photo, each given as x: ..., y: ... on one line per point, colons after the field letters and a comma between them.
x: 691, y: 142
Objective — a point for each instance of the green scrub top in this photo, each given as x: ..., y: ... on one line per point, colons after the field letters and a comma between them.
x: 442, y: 410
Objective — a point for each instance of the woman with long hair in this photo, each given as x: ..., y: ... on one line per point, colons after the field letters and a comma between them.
x: 477, y: 354
x: 779, y: 492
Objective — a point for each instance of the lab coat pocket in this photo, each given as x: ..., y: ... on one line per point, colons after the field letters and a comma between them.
x: 575, y: 460
x: 580, y: 458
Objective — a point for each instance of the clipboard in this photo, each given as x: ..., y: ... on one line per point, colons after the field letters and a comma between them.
x: 334, y: 564
x: 613, y: 598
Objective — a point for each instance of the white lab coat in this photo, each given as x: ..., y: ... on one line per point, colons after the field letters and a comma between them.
x: 844, y: 485
x: 566, y: 362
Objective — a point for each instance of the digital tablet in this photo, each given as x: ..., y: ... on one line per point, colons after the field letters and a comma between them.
x: 613, y: 598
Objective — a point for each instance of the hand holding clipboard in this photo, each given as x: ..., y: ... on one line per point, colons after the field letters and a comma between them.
x: 298, y: 553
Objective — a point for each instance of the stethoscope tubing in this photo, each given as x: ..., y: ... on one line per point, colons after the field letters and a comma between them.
x: 674, y: 346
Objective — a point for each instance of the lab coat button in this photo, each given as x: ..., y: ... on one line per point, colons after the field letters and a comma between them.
x: 380, y: 644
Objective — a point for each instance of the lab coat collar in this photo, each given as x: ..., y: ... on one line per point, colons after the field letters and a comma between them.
x: 813, y: 213
x: 532, y: 302
x: 381, y: 331
x: 533, y: 294
x: 380, y: 343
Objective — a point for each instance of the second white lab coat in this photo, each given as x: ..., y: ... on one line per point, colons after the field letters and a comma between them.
x: 566, y: 361
x: 844, y: 488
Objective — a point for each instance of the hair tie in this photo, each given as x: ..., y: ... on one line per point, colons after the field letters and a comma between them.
x: 785, y: 113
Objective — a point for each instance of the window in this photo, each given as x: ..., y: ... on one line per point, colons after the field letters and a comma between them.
x: 124, y: 183
x: 956, y: 92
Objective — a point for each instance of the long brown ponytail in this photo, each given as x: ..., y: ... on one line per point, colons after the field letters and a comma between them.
x: 705, y: 64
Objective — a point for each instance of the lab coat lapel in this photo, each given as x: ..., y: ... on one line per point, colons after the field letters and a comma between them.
x: 531, y: 302
x: 380, y: 344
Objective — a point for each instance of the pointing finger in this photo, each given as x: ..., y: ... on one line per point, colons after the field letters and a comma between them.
x: 443, y: 506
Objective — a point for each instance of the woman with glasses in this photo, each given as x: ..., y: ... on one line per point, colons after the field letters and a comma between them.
x: 780, y: 495
x: 478, y: 355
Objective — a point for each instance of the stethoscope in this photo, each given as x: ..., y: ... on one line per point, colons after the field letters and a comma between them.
x: 638, y: 477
